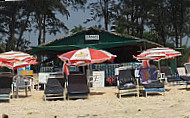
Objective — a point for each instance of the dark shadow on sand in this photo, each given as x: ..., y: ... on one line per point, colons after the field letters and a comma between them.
x: 187, y: 89
x: 97, y: 93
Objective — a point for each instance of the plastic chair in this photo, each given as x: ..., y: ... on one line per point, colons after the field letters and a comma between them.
x: 22, y: 82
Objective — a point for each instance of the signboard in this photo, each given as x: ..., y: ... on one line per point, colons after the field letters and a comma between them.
x: 91, y: 37
x: 98, y: 78
x: 26, y: 72
x: 43, y: 77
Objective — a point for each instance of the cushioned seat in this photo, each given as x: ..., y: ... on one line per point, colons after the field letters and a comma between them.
x: 5, y: 86
x: 127, y: 86
x: 126, y: 83
x: 149, y: 82
x: 173, y: 79
x: 169, y: 74
x: 54, y: 88
x: 185, y: 78
x: 77, y: 86
x: 154, y: 85
x: 5, y: 90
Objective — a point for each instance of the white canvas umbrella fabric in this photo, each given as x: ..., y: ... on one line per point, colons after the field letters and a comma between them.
x: 157, y: 54
x: 86, y: 55
x: 16, y: 59
x: 15, y: 56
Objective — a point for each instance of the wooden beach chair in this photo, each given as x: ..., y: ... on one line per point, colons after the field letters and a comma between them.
x: 126, y: 83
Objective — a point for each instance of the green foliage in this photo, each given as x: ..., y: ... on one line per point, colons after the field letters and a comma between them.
x: 166, y: 21
x: 16, y: 18
x: 101, y: 10
x: 77, y: 29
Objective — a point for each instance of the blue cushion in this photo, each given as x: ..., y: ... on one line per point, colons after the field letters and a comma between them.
x: 154, y: 89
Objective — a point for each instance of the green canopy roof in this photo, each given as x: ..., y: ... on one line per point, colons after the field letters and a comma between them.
x: 94, y: 38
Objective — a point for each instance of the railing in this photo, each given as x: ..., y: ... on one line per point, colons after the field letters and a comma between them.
x: 46, y: 69
x: 110, y: 68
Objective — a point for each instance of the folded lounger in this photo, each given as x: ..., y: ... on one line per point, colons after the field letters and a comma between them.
x: 77, y: 86
x: 54, y: 88
x: 5, y: 86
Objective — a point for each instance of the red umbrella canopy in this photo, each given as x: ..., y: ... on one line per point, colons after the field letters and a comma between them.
x: 15, y: 56
x: 15, y: 59
x: 157, y: 53
x: 87, y: 55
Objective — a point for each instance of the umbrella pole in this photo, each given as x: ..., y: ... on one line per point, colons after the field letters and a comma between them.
x: 159, y: 64
x: 89, y: 73
x: 159, y: 72
x: 13, y: 71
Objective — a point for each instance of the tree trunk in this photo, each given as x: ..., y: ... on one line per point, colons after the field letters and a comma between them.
x: 132, y: 18
x: 40, y: 30
x: 142, y: 27
x: 44, y: 29
x: 11, y: 40
x: 23, y: 28
x: 104, y: 8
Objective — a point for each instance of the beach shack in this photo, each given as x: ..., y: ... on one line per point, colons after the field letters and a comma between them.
x: 122, y: 46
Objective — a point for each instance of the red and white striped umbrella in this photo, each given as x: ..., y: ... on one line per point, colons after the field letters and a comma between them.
x: 15, y: 56
x: 15, y: 59
x: 157, y: 54
x: 14, y: 65
x: 87, y: 55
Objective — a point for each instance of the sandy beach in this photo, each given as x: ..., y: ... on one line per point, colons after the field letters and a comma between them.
x: 102, y: 103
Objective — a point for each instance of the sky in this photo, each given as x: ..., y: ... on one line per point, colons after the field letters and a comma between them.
x: 76, y: 18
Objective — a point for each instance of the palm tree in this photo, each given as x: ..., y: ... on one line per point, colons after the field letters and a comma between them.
x: 102, y: 9
x: 77, y: 29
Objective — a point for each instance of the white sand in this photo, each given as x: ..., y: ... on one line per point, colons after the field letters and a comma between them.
x: 104, y: 104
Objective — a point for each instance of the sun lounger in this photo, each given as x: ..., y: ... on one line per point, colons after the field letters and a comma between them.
x: 77, y: 86
x: 127, y: 84
x: 5, y: 86
x: 54, y: 88
x: 187, y: 67
x: 183, y: 75
x: 148, y: 81
x: 168, y: 74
